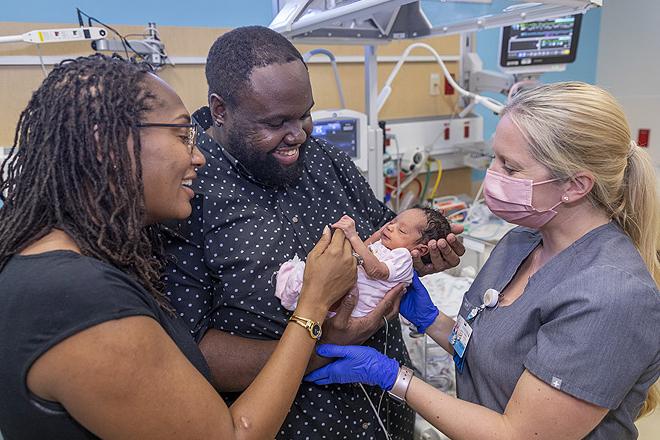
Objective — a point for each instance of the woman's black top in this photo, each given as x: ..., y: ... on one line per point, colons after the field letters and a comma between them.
x: 44, y: 299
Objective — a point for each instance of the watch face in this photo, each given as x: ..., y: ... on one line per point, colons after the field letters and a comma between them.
x: 316, y: 331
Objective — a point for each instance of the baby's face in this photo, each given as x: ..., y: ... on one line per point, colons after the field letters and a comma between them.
x: 405, y: 230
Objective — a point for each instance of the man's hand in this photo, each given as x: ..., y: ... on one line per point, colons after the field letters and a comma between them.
x: 444, y: 254
x: 343, y: 329
x: 346, y: 224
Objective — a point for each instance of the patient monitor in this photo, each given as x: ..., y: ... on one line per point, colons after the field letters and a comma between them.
x: 540, y: 46
x: 346, y: 130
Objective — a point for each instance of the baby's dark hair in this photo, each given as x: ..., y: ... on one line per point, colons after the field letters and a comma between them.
x: 437, y: 226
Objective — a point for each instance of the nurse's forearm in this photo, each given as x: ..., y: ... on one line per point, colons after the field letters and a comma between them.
x: 439, y: 331
x: 535, y: 410
x: 456, y: 418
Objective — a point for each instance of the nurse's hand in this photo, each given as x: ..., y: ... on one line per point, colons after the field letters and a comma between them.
x: 417, y: 307
x: 444, y: 253
x: 355, y: 364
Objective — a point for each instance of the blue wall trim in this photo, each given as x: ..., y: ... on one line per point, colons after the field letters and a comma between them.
x: 201, y: 13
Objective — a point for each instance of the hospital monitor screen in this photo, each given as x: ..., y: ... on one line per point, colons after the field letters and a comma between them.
x: 538, y: 46
x: 342, y: 133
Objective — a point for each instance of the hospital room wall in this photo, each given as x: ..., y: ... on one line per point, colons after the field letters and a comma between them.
x: 192, y: 35
x: 199, y: 34
x: 629, y: 64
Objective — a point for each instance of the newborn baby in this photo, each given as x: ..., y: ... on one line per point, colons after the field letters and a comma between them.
x: 385, y: 262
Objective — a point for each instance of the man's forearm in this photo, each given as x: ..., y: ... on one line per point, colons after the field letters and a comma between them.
x: 235, y: 361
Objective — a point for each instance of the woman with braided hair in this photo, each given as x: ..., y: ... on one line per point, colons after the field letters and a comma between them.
x: 90, y: 347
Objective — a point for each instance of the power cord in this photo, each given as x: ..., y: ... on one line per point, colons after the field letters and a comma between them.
x: 125, y: 43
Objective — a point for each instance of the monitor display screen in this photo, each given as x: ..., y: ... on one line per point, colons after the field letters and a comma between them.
x: 534, y: 43
x: 342, y: 133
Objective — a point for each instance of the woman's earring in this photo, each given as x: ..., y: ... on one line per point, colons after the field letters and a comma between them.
x: 565, y: 198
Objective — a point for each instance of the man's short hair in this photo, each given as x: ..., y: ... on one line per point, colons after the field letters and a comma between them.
x: 234, y: 56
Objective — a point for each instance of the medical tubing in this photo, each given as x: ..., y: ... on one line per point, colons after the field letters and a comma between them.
x: 333, y: 63
x: 377, y: 411
x: 398, y: 170
x: 380, y: 422
x: 427, y: 179
x: 475, y: 201
x: 437, y: 180
x: 489, y: 103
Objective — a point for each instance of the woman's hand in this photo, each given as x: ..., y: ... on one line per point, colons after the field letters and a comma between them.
x: 330, y: 270
x: 416, y: 305
x: 444, y: 253
x: 355, y: 364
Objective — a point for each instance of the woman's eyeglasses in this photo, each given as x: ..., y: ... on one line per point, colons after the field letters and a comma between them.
x: 193, y: 131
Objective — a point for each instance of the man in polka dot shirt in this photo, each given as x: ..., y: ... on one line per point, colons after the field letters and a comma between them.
x: 265, y: 194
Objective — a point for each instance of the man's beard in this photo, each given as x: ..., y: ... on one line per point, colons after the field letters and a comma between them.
x: 263, y: 166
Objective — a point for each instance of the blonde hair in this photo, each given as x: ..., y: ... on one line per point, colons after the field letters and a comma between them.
x: 574, y: 126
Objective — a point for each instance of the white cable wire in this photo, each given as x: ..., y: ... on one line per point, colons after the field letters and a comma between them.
x: 41, y: 59
x: 476, y: 199
x: 377, y: 411
x: 380, y: 422
x: 380, y: 401
x: 489, y: 103
x: 398, y: 172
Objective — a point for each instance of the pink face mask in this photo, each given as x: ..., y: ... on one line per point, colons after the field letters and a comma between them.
x: 510, y: 199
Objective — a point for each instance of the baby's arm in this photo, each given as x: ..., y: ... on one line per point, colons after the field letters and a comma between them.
x: 373, y: 267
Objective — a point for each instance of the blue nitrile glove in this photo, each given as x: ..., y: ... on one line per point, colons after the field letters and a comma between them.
x: 355, y: 364
x: 416, y: 305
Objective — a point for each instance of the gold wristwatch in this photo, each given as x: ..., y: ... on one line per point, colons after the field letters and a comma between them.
x: 313, y: 327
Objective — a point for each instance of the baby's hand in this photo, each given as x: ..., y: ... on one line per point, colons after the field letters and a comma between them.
x: 347, y: 225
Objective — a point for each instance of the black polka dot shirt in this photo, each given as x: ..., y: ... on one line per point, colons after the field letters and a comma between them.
x: 239, y: 233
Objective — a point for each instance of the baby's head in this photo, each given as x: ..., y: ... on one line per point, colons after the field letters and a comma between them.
x: 413, y: 228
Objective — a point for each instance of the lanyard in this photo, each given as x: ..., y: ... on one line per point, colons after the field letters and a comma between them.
x: 462, y: 331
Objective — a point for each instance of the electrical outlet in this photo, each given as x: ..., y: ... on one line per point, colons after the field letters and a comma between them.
x: 434, y: 84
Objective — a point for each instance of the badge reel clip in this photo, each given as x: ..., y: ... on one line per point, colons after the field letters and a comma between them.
x: 490, y: 299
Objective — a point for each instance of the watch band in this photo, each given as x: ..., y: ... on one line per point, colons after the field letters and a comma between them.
x: 401, y: 384
x: 313, y: 327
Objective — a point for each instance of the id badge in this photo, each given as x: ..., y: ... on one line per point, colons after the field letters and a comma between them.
x: 460, y: 336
